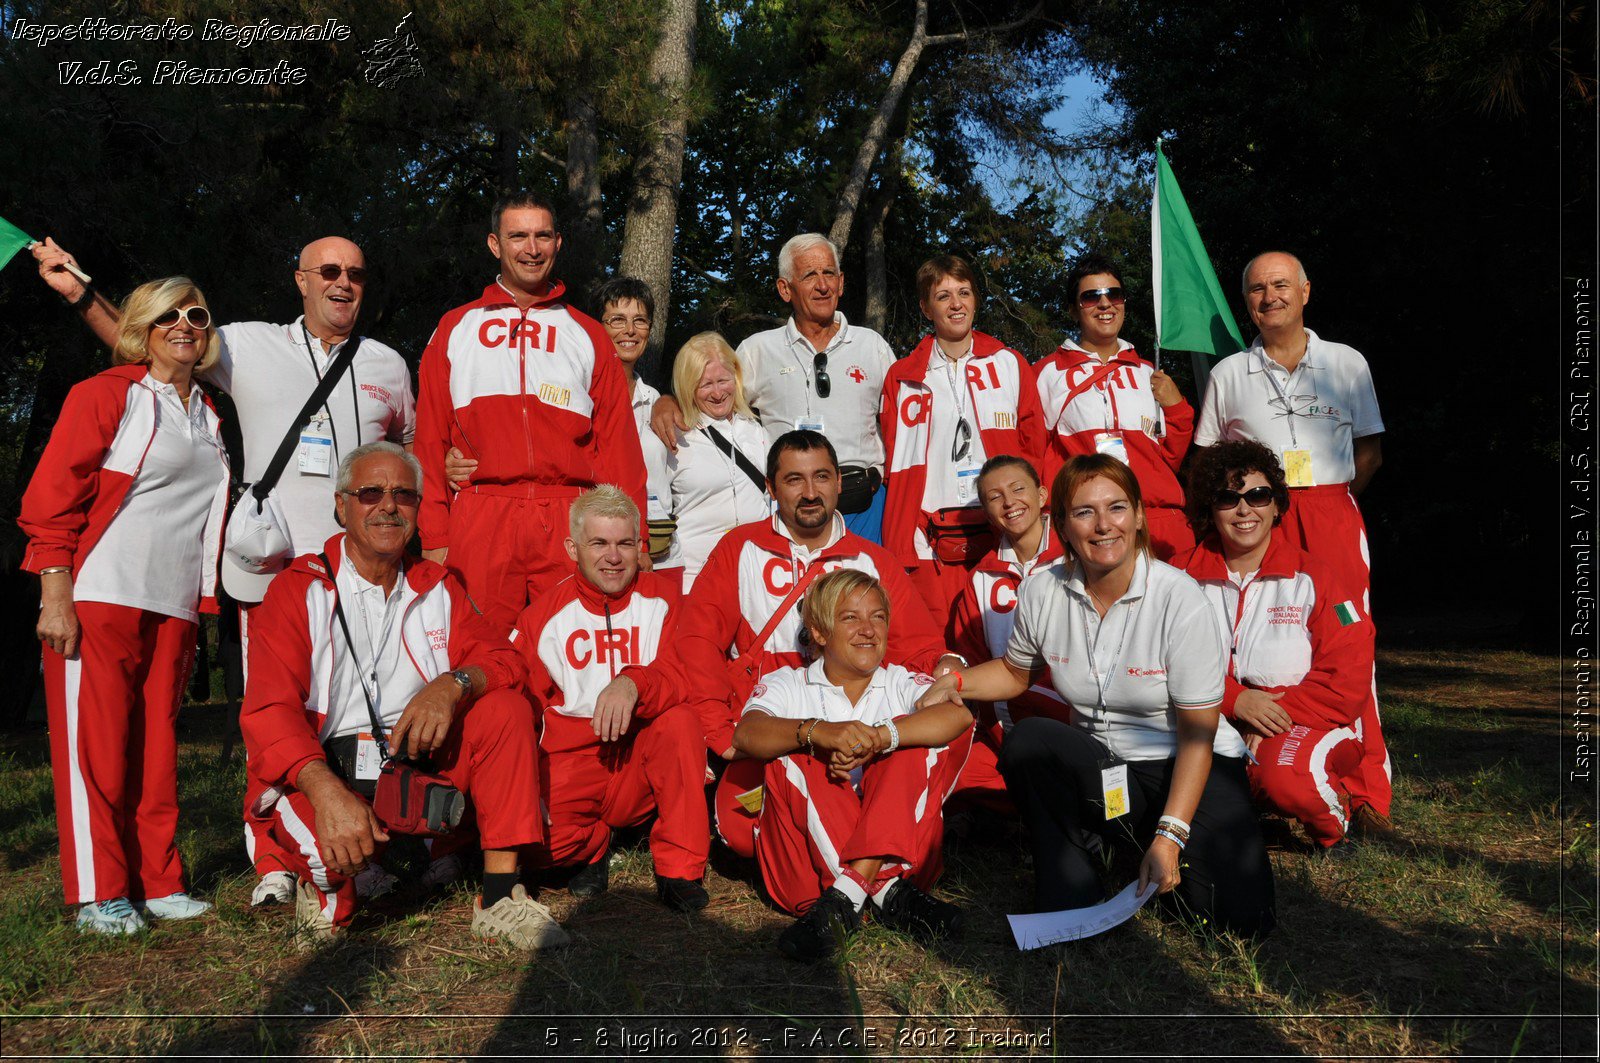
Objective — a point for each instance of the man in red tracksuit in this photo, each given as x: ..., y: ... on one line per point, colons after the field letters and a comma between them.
x: 752, y: 577
x: 532, y: 390
x: 617, y: 742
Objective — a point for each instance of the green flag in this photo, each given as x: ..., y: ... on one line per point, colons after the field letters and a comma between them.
x: 1191, y: 312
x: 12, y: 240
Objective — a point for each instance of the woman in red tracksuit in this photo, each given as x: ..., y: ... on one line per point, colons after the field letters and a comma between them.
x: 1302, y: 644
x: 1099, y: 396
x: 958, y: 399
x: 124, y: 519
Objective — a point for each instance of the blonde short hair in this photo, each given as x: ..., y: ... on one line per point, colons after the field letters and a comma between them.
x: 606, y: 500
x: 693, y: 357
x: 148, y: 302
x: 820, y: 608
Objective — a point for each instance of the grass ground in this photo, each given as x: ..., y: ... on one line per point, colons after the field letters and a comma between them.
x: 1473, y: 937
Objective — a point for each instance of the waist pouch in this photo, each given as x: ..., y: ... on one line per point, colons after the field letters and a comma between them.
x: 412, y: 800
x: 857, y: 485
x: 959, y: 535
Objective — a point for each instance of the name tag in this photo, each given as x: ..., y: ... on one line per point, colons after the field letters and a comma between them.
x: 810, y: 424
x: 368, y: 762
x: 967, y: 485
x: 1297, y: 468
x: 1111, y: 443
x: 1114, y: 789
x: 316, y: 452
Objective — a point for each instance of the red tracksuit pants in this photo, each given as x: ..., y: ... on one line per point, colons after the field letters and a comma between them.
x: 1326, y: 523
x: 508, y: 545
x: 113, y: 710
x: 813, y: 825
x: 590, y: 787
x: 265, y: 854
x: 489, y: 756
x: 1303, y: 773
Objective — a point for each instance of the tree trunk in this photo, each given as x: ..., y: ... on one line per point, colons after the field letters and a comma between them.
x: 653, y: 208
x: 877, y: 309
x: 583, y: 245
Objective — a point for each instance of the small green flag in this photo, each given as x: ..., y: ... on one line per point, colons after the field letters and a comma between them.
x: 1347, y: 614
x: 12, y: 240
x: 1191, y: 312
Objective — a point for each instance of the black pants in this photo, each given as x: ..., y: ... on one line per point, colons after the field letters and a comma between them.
x: 1052, y: 772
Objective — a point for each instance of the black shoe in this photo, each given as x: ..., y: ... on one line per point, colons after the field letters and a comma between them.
x: 814, y: 935
x: 592, y: 880
x: 911, y: 911
x: 682, y: 894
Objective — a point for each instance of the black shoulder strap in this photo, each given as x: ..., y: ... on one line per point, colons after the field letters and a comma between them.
x: 372, y: 711
x: 726, y: 446
x: 341, y: 362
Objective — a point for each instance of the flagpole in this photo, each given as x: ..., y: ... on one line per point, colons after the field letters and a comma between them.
x: 1155, y: 253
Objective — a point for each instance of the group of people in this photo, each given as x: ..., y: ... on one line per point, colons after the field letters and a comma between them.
x: 835, y: 588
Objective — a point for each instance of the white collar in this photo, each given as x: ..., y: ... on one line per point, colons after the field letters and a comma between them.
x: 1136, y: 586
x: 836, y: 533
x: 816, y: 676
x: 1261, y: 362
x: 791, y: 333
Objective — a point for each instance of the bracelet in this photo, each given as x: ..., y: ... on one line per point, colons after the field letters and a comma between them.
x: 959, y: 683
x: 1162, y: 832
x: 894, y: 736
x: 83, y: 300
x: 811, y: 731
x: 53, y: 569
x: 797, y: 725
x: 1175, y: 823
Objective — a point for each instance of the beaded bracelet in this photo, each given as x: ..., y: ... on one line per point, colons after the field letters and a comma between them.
x: 809, y: 732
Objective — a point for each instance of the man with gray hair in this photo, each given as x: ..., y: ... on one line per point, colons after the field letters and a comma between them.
x: 819, y: 373
x: 361, y: 662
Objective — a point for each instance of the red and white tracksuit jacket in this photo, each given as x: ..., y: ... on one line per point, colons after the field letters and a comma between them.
x: 1003, y: 396
x: 494, y: 376
x: 1296, y: 630
x: 575, y: 640
x: 1120, y: 404
x: 294, y: 638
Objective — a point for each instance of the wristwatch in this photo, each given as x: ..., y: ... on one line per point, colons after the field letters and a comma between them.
x: 460, y: 676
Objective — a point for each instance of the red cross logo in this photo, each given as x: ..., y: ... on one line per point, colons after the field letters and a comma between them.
x: 856, y: 374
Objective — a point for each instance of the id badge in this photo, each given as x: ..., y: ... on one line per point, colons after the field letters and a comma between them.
x: 966, y: 486
x: 368, y: 762
x: 1114, y: 789
x: 1297, y: 468
x: 316, y: 452
x: 1111, y: 443
x: 810, y: 424
x: 751, y: 800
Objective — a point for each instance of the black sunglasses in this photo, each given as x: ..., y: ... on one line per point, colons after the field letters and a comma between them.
x: 198, y: 317
x: 371, y: 496
x: 1091, y: 296
x: 819, y: 371
x: 1256, y: 497
x: 330, y: 273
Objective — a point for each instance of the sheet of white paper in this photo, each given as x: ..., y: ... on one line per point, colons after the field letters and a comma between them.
x: 1075, y: 924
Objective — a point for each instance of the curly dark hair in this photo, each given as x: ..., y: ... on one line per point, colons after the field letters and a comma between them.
x: 1223, y: 468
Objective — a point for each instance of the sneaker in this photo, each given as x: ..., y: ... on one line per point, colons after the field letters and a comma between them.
x: 275, y: 887
x: 311, y: 925
x: 116, y: 916
x: 518, y: 920
x: 682, y: 894
x: 445, y: 871
x: 174, y: 906
x: 374, y: 881
x: 815, y: 935
x: 593, y: 880
x: 1368, y: 822
x: 908, y: 909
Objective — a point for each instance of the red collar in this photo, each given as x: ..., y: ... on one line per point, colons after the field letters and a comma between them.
x: 421, y: 576
x: 916, y: 363
x: 496, y: 294
x: 1282, y: 559
x: 1075, y: 355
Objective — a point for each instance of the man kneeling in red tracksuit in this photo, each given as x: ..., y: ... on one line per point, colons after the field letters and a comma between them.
x: 857, y: 777
x: 357, y: 633
x: 617, y: 741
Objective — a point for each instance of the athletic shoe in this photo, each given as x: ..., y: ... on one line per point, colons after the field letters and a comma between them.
x: 908, y: 909
x: 815, y: 935
x: 311, y: 924
x: 275, y: 887
x: 518, y: 920
x: 593, y: 880
x: 1368, y: 822
x: 116, y: 916
x: 174, y: 906
x: 374, y: 882
x: 443, y: 872
x: 682, y: 894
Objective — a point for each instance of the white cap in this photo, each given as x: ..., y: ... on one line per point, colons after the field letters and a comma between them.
x: 255, y: 548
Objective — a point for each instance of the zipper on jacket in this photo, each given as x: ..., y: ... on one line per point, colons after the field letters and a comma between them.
x: 522, y: 383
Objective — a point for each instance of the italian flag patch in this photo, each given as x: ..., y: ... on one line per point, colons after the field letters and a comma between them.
x: 1346, y: 612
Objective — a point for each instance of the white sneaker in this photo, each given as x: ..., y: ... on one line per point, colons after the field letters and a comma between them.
x: 174, y: 906
x: 311, y: 925
x: 116, y: 916
x: 443, y: 872
x: 275, y: 887
x: 374, y: 882
x: 518, y: 920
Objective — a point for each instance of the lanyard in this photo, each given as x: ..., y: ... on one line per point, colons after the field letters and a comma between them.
x: 1288, y: 407
x: 375, y: 693
x: 355, y: 396
x: 1103, y: 683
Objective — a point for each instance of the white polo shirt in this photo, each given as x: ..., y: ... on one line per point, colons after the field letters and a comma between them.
x: 801, y: 693
x: 778, y: 382
x: 1326, y: 404
x: 374, y: 620
x: 658, y: 483
x: 269, y: 371
x: 708, y: 493
x: 1159, y: 650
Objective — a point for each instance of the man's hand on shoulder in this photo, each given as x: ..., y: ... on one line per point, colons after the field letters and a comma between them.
x: 666, y: 421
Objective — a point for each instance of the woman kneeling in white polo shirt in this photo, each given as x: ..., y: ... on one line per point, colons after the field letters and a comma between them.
x: 1134, y: 647
x: 857, y: 777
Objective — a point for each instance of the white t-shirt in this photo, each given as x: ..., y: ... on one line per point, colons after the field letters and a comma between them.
x: 152, y: 555
x: 709, y: 494
x: 374, y: 621
x: 800, y: 693
x: 269, y: 371
x: 1326, y: 404
x: 778, y: 382
x: 1158, y: 650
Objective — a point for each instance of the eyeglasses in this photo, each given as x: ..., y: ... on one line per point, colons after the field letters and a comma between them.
x: 371, y: 496
x: 330, y: 272
x: 198, y: 317
x: 819, y: 372
x: 622, y: 324
x: 1257, y: 497
x: 1091, y: 296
